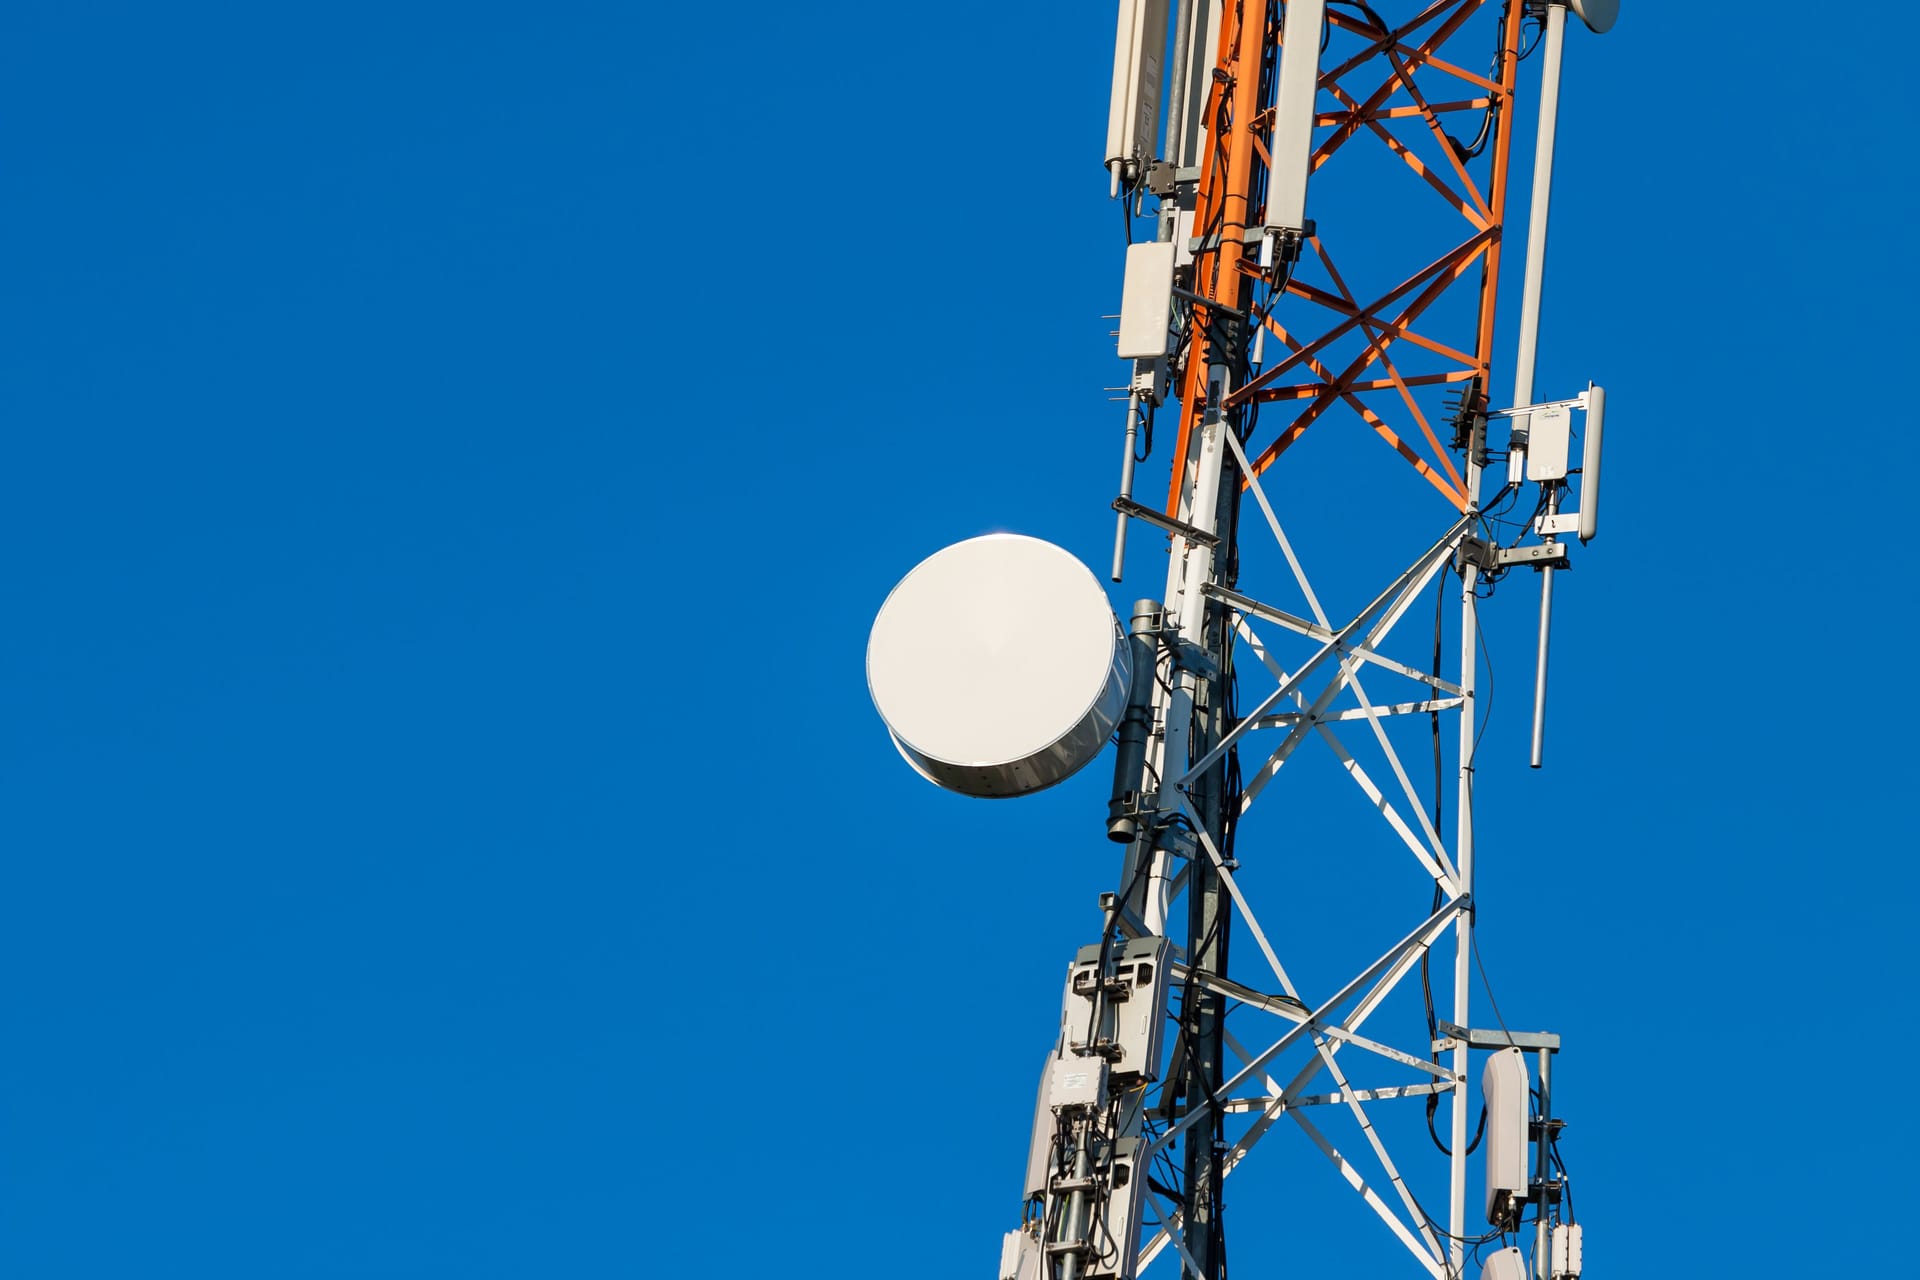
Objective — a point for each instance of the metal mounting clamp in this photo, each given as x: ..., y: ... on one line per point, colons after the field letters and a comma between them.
x: 1501, y: 1038
x: 1546, y: 553
x: 1139, y: 511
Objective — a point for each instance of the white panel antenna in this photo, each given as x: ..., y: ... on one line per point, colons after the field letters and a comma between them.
x: 1019, y: 1257
x: 1292, y: 144
x: 1120, y: 1215
x: 1040, y: 1151
x: 1133, y: 113
x: 1504, y: 1085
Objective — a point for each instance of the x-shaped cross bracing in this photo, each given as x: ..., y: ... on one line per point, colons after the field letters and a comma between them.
x: 1326, y: 1029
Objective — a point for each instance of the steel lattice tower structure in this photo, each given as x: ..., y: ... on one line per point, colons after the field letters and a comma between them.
x: 1251, y: 326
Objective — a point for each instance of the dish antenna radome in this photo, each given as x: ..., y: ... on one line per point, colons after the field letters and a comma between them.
x: 998, y: 666
x: 1599, y: 15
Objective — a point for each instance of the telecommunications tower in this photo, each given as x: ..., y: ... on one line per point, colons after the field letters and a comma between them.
x: 1282, y: 293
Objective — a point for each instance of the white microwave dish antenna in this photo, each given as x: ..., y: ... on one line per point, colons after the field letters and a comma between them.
x: 1599, y: 15
x: 998, y: 666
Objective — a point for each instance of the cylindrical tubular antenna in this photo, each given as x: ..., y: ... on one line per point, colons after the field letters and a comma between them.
x: 1126, y: 486
x: 1590, y: 463
x: 1536, y: 269
x: 1540, y: 665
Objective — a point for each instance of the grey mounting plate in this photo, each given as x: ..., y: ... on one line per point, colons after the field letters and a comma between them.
x: 1501, y: 1039
x: 1485, y: 555
x: 1191, y: 656
x: 1543, y: 553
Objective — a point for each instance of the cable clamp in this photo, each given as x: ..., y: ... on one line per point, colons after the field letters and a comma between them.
x: 1179, y: 842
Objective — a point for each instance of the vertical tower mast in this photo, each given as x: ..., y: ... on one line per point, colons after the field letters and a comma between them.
x: 1205, y: 492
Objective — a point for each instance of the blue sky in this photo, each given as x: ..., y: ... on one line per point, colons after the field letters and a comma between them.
x: 453, y: 457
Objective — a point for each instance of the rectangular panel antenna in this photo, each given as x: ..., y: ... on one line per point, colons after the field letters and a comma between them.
x: 1120, y: 1214
x: 1299, y: 89
x: 1045, y: 1129
x: 1019, y: 1257
x: 1133, y: 113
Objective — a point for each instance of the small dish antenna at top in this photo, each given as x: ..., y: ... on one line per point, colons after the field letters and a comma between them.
x: 998, y: 666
